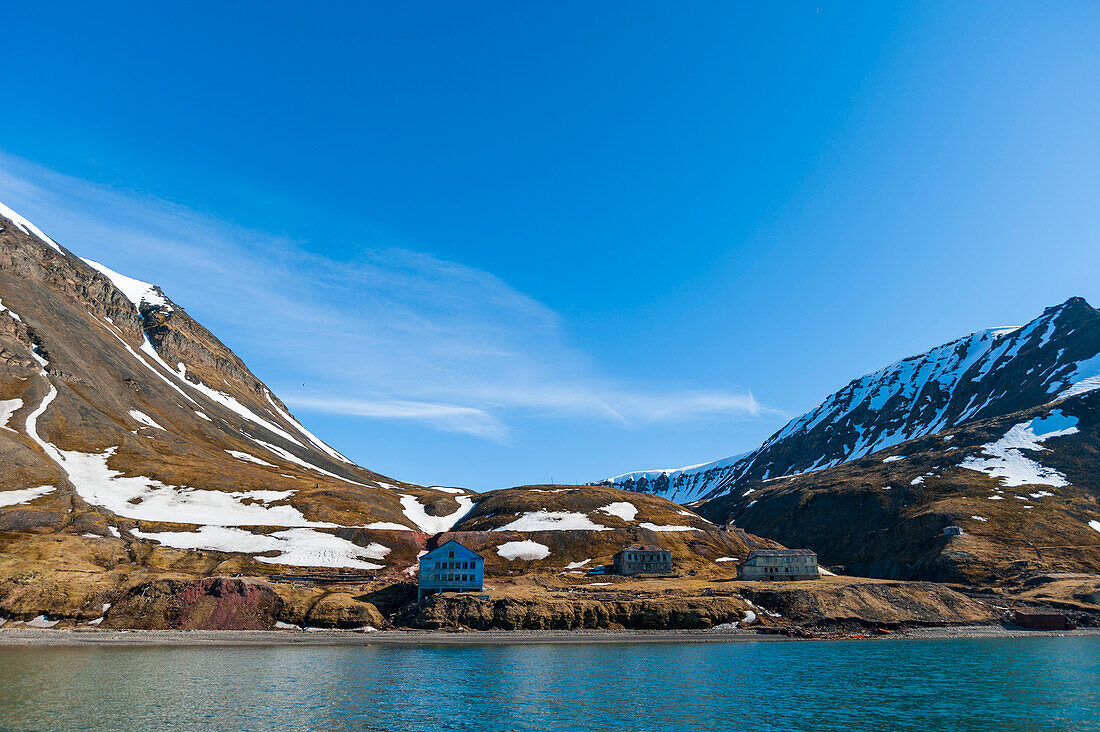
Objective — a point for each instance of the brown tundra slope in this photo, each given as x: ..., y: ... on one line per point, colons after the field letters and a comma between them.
x: 1023, y: 487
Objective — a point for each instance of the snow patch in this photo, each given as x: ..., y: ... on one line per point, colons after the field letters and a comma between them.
x: 623, y: 509
x: 655, y: 527
x: 433, y: 524
x: 135, y: 291
x: 577, y: 565
x: 1085, y: 378
x: 41, y: 622
x: 8, y: 408
x: 544, y: 520
x: 145, y: 419
x: 526, y: 549
x: 11, y: 498
x: 296, y: 547
x: 979, y: 518
x: 894, y: 458
x: 1005, y: 459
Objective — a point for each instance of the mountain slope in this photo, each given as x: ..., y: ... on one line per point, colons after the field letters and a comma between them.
x: 1024, y: 487
x: 998, y: 433
x: 986, y: 374
x: 122, y: 416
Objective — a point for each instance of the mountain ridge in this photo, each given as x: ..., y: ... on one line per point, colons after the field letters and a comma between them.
x: 974, y: 377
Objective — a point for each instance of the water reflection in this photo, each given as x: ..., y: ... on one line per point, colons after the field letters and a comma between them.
x: 1002, y: 684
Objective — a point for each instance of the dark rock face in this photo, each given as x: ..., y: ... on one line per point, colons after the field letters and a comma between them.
x: 213, y: 603
x: 542, y: 614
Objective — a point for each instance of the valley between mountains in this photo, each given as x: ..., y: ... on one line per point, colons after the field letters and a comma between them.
x: 151, y: 480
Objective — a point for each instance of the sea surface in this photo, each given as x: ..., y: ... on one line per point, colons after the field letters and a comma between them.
x: 1041, y: 683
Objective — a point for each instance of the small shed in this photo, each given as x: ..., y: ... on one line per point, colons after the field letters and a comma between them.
x: 1043, y: 621
x: 779, y: 564
x: 450, y: 567
x: 952, y: 531
x: 643, y: 559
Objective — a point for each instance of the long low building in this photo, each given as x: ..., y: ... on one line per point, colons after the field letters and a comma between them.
x: 779, y: 564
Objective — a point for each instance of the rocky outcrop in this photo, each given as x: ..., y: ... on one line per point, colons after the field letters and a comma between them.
x: 872, y: 604
x: 213, y: 603
x: 550, y: 614
x: 877, y: 604
x: 340, y: 610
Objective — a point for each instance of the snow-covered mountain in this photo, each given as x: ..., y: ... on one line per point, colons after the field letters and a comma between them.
x: 984, y: 375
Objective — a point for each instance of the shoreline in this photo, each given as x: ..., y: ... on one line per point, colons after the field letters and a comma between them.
x: 26, y: 637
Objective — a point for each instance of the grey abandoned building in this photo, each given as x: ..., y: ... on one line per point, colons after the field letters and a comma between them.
x: 643, y: 559
x: 779, y: 564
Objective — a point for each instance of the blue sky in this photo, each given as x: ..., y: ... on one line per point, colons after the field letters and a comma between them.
x: 488, y: 244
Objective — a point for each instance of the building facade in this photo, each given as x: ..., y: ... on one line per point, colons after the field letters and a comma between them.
x: 643, y: 559
x: 779, y: 564
x: 450, y: 568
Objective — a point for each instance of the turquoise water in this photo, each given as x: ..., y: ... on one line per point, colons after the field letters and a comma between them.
x: 1043, y: 683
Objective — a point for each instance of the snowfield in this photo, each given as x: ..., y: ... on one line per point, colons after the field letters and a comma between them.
x: 526, y: 549
x: 12, y: 498
x: 543, y: 520
x: 296, y: 547
x: 623, y: 509
x: 1004, y: 458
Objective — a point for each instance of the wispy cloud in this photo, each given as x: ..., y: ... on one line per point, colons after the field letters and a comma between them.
x: 394, y: 334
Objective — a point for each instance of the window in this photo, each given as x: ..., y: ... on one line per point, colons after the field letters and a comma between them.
x: 451, y: 554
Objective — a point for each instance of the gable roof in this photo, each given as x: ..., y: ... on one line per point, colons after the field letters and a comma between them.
x: 782, y: 553
x: 642, y: 548
x: 441, y: 551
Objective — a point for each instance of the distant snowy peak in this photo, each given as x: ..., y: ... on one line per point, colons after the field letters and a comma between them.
x: 681, y: 485
x: 986, y: 374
